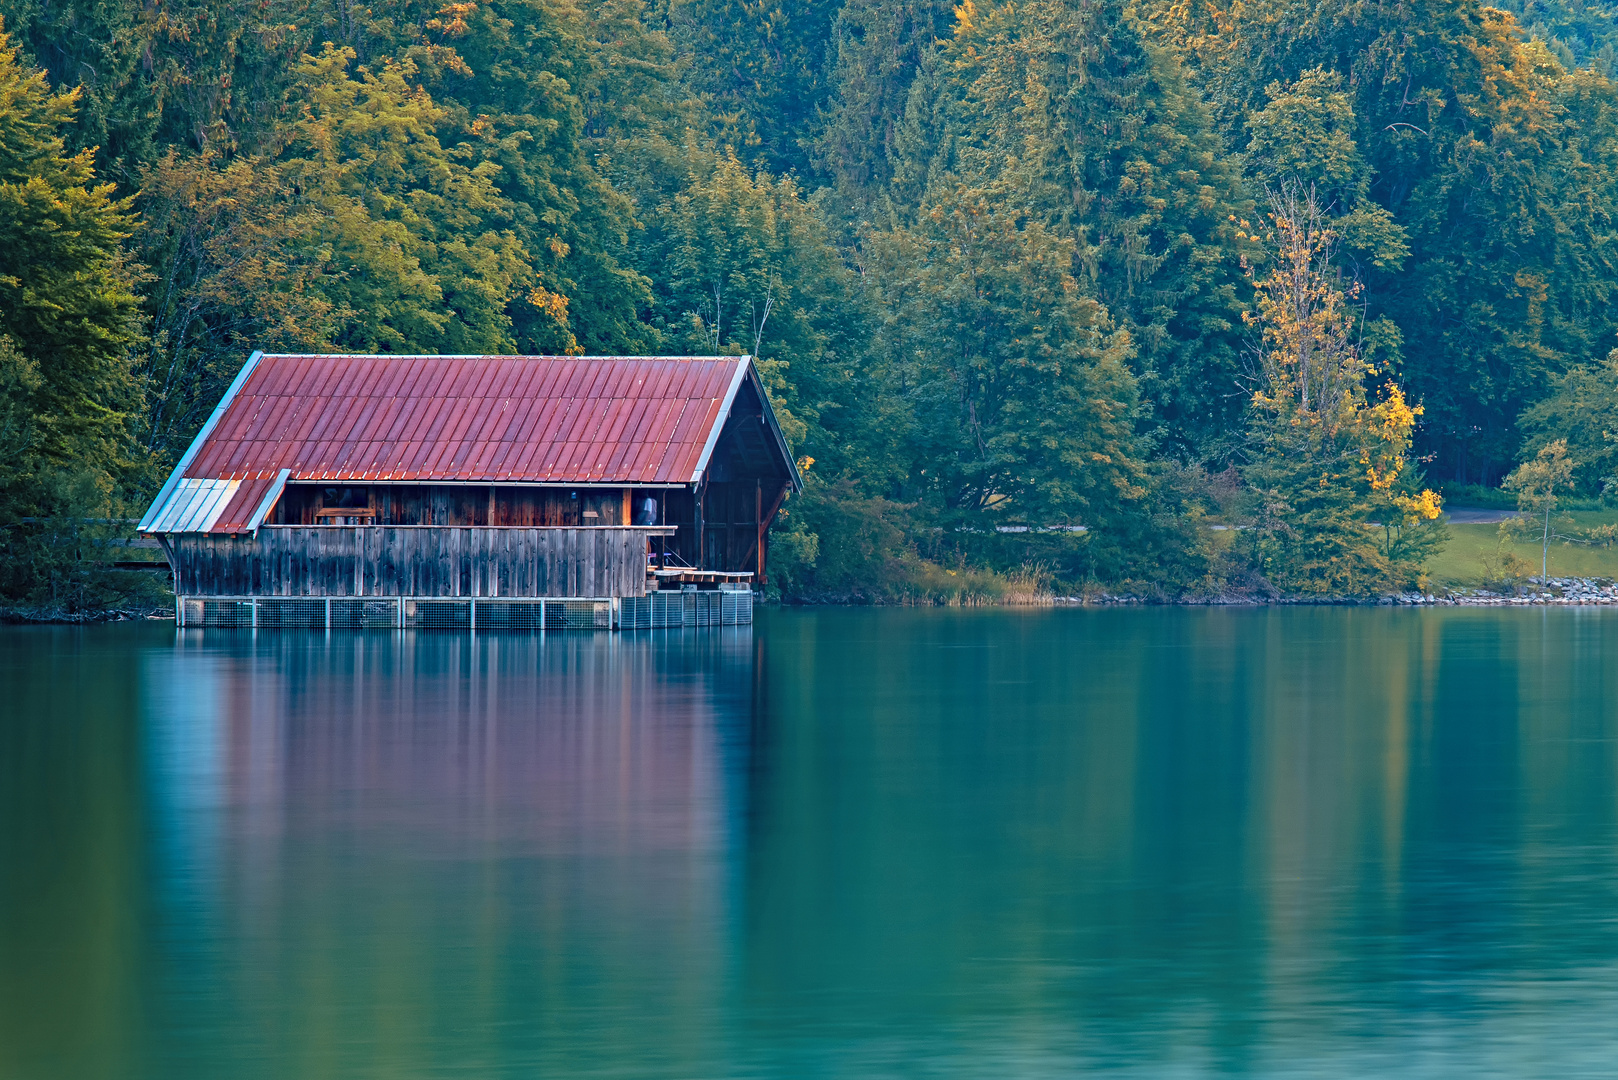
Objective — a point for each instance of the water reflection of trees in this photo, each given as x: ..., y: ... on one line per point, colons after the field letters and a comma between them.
x: 1212, y: 837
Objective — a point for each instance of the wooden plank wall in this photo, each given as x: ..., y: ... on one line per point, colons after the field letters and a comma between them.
x: 332, y: 560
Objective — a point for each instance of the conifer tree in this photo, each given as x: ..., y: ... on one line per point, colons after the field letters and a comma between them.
x: 67, y: 300
x: 762, y: 68
x: 743, y: 265
x: 877, y: 50
x: 1119, y: 154
x: 185, y: 73
x: 69, y: 320
x: 1021, y: 408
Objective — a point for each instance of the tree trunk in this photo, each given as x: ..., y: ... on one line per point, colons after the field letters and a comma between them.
x: 1545, y: 549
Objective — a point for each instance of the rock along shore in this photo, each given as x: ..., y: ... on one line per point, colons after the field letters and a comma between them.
x: 1551, y: 592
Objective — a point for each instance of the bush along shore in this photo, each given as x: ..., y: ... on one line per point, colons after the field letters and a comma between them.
x: 39, y: 616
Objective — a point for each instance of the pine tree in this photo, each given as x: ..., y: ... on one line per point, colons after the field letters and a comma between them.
x: 743, y: 264
x: 878, y: 48
x: 1021, y: 408
x: 184, y: 73
x: 761, y: 65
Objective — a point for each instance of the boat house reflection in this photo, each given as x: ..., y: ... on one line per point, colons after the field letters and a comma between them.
x: 481, y: 802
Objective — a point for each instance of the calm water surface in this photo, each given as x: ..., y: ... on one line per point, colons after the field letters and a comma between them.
x: 839, y: 844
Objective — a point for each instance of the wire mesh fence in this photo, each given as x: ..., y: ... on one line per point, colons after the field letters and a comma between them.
x: 657, y: 610
x: 287, y: 613
x: 357, y: 614
x: 510, y: 614
x: 224, y: 613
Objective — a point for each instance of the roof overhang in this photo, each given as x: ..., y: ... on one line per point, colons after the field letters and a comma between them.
x: 159, y: 507
x: 747, y: 371
x: 742, y: 369
x: 793, y: 476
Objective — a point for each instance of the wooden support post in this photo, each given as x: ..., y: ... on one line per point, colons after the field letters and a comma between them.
x: 254, y: 602
x: 764, y: 521
x: 625, y: 516
x: 490, y: 521
x: 758, y: 521
x: 696, y: 513
x: 328, y: 614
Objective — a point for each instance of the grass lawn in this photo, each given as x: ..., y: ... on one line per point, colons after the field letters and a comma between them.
x: 1461, y: 561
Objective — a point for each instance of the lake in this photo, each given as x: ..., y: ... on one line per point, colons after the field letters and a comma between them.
x: 1301, y: 842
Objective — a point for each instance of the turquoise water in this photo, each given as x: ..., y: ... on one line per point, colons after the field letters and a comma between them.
x: 842, y: 843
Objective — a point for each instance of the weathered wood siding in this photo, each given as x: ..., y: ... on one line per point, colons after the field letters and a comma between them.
x: 331, y: 560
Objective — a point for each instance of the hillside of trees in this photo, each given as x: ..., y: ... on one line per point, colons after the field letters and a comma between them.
x: 1158, y: 297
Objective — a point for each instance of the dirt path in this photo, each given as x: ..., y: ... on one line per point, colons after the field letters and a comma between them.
x: 1473, y: 516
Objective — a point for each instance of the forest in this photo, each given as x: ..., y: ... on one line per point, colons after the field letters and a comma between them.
x: 1171, y: 299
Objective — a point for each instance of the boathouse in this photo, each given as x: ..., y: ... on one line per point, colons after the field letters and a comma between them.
x: 477, y: 492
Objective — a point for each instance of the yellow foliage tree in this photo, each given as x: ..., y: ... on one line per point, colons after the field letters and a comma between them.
x: 1331, y: 464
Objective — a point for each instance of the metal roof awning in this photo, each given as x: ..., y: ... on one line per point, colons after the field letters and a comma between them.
x: 193, y: 505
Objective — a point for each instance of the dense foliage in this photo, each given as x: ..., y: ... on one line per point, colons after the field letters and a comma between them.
x: 1051, y: 286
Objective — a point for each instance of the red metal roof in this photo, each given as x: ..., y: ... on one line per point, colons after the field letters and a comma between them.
x: 478, y: 419
x: 236, y: 513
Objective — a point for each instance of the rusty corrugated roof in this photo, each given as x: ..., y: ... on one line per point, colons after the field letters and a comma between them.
x: 478, y: 419
x: 610, y: 420
x: 248, y: 505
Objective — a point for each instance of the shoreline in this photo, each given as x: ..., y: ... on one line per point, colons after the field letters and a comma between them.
x: 14, y: 617
x: 1553, y: 592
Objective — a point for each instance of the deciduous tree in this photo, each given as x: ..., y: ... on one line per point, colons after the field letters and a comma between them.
x: 1539, y: 484
x: 1329, y: 460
